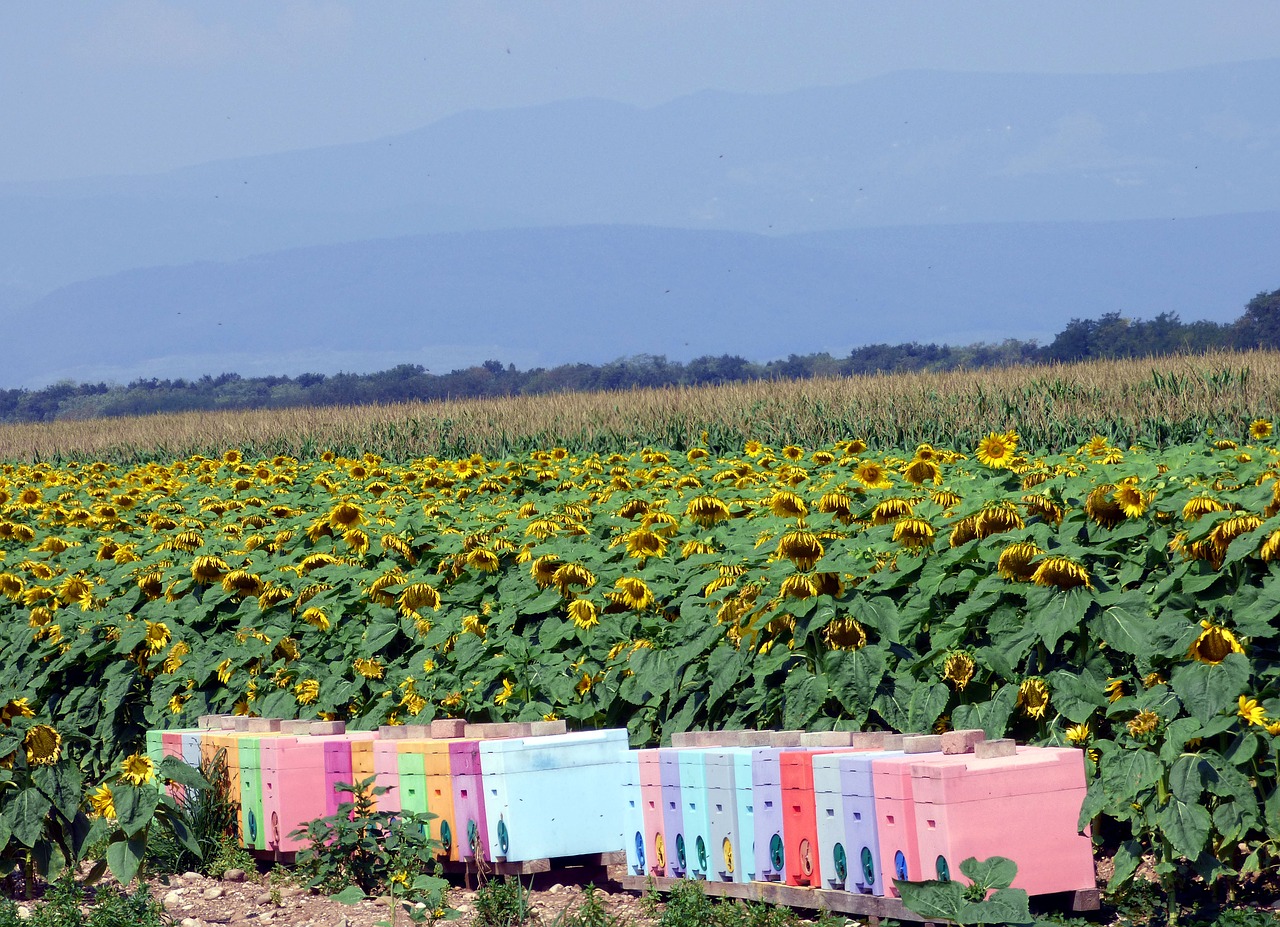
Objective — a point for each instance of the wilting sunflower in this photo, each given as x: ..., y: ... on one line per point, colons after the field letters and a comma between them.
x: 207, y: 570
x: 786, y: 504
x: 242, y: 583
x: 368, y: 668
x: 418, y: 595
x: 706, y: 510
x: 838, y: 504
x: 483, y: 559
x: 572, y: 575
x: 958, y: 669
x: 844, y: 634
x: 1016, y: 559
x: 1270, y: 549
x: 920, y: 471
x: 798, y: 586
x: 1143, y: 723
x: 1230, y: 528
x: 913, y: 532
x: 642, y: 544
x: 1061, y: 573
x: 157, y: 637
x: 15, y: 708
x: 801, y: 547
x: 890, y: 510
x: 1033, y: 697
x: 997, y: 450
x: 1078, y: 734
x: 632, y: 593
x: 543, y: 569
x: 316, y: 618
x: 307, y: 691
x: 1213, y: 644
x: 584, y: 614
x: 103, y: 802
x: 43, y: 745
x: 1200, y: 505
x: 997, y: 517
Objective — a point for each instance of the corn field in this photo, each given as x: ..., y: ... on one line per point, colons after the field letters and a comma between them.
x: 1153, y: 403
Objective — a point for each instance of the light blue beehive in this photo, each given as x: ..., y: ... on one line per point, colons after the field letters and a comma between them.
x: 561, y: 795
x: 693, y: 800
x: 634, y: 816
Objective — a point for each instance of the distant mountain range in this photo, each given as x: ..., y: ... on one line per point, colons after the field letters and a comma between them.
x: 541, y: 297
x: 923, y: 206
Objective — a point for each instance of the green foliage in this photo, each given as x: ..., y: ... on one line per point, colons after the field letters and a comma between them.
x: 502, y: 903
x: 360, y: 851
x: 212, y: 821
x: 987, y: 899
x: 590, y: 912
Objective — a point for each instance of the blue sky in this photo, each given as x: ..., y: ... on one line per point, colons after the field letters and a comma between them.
x: 136, y: 86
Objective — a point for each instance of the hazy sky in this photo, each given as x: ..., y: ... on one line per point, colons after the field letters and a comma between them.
x: 134, y: 86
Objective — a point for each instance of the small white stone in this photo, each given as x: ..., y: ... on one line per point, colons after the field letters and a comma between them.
x: 215, y: 891
x: 24, y: 912
x: 234, y: 875
x: 171, y: 899
x: 189, y: 922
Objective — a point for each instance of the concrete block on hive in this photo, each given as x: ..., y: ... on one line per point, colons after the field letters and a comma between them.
x: 956, y: 742
x: 392, y: 732
x: 867, y: 740
x: 826, y: 739
x: 322, y: 728
x: 442, y: 728
x: 227, y: 723
x: 685, y: 738
x: 211, y: 722
x: 295, y: 727
x: 547, y: 728
x: 922, y: 743
x: 992, y: 749
x: 262, y: 725
x: 496, y: 730
x: 415, y: 731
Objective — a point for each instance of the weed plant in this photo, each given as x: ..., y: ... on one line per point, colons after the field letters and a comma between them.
x: 502, y: 903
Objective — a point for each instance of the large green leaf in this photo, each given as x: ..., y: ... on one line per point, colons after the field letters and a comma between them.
x: 1206, y: 689
x: 1186, y: 826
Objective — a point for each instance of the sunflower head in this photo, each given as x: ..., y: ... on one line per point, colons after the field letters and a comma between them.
x: 1033, y: 697
x: 958, y: 669
x: 137, y: 769
x: 584, y: 614
x: 1061, y: 573
x: 43, y: 745
x: 914, y: 532
x: 997, y: 450
x: 1213, y: 644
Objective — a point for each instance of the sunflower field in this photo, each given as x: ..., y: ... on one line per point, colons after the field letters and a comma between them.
x: 1120, y: 599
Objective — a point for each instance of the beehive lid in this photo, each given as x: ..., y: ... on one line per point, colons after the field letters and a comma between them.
x: 1032, y: 770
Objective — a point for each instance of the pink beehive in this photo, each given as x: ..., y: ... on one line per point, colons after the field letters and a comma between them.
x: 896, y: 817
x: 386, y: 766
x: 293, y: 788
x: 651, y: 812
x: 1024, y: 807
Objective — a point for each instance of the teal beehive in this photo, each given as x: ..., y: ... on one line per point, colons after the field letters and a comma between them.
x: 562, y: 795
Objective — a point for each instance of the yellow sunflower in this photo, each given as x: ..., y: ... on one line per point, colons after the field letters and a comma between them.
x: 137, y: 769
x: 43, y: 745
x: 1213, y: 644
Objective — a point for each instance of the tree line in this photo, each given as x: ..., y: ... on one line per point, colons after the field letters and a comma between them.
x: 1111, y: 336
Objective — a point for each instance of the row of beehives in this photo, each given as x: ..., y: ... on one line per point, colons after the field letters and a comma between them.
x: 849, y: 811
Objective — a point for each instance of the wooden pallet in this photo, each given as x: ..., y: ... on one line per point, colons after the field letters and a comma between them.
x: 870, y: 907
